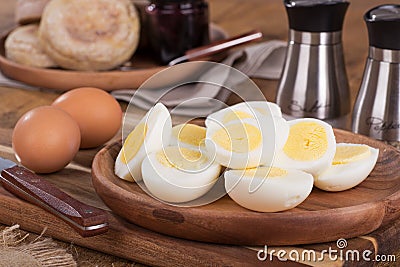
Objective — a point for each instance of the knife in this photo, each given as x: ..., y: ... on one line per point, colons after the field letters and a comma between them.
x: 85, y: 219
x: 217, y: 47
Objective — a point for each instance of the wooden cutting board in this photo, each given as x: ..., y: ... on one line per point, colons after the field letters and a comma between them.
x: 132, y: 242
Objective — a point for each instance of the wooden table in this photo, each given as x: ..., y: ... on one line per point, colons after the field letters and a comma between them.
x: 235, y: 16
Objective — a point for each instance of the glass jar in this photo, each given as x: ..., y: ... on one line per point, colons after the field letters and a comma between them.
x: 175, y: 26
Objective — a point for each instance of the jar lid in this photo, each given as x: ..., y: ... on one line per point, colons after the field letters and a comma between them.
x: 316, y: 15
x: 383, y: 23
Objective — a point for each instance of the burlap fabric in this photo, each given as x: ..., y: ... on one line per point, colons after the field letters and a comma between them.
x: 16, y: 251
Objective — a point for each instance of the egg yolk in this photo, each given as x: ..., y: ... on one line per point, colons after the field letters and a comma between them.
x: 133, y: 143
x: 190, y: 134
x: 347, y: 154
x: 236, y: 115
x: 238, y: 137
x: 265, y: 172
x: 307, y: 141
x: 181, y: 158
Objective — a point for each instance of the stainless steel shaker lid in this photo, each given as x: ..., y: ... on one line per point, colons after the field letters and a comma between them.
x: 316, y: 15
x: 383, y: 23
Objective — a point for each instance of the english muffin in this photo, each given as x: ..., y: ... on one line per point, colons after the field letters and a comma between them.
x: 22, y: 46
x: 29, y: 11
x: 89, y: 35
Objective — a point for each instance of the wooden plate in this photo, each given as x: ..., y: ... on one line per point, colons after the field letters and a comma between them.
x: 322, y: 217
x: 63, y: 80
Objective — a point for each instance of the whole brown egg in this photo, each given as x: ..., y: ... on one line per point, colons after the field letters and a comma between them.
x: 98, y: 114
x: 46, y: 139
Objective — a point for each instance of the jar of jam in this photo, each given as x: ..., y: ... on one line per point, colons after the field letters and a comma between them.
x: 175, y: 26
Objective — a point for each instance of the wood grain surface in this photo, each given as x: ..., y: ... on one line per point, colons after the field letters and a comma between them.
x: 129, y: 241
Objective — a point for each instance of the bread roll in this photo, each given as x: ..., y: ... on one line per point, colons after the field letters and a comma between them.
x: 29, y: 11
x: 89, y: 34
x: 22, y: 46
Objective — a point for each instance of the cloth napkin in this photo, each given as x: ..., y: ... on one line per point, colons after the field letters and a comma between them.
x: 215, y: 82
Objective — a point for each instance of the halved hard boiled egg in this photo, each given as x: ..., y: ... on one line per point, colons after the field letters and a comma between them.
x: 264, y: 107
x: 150, y: 134
x: 351, y: 165
x: 178, y: 174
x: 188, y: 135
x: 241, y: 144
x: 261, y: 110
x: 243, y: 110
x: 268, y: 189
x: 310, y: 146
x: 274, y: 130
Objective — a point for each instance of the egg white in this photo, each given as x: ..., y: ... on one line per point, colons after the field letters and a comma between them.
x: 260, y: 192
x: 230, y: 114
x: 175, y: 182
x: 314, y: 166
x: 243, y: 110
x: 341, y: 177
x: 264, y: 107
x: 281, y: 128
x: 158, y: 123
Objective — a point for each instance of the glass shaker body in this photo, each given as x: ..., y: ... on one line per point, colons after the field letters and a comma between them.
x: 175, y: 26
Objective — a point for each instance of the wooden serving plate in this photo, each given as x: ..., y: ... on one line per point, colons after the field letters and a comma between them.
x: 322, y: 217
x: 142, y: 64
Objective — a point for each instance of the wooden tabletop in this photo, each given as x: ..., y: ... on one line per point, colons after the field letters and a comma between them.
x: 235, y: 17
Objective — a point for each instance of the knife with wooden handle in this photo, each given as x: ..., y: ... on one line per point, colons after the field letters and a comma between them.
x: 217, y: 47
x: 86, y: 220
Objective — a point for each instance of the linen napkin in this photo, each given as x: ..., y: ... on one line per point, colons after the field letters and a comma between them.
x: 215, y: 81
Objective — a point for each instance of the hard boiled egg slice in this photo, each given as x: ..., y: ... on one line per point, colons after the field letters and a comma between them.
x: 278, y: 189
x: 242, y: 144
x: 243, y: 110
x: 264, y: 107
x: 230, y: 114
x: 350, y: 166
x: 177, y: 174
x: 188, y: 135
x: 310, y: 146
x: 260, y: 110
x: 150, y: 134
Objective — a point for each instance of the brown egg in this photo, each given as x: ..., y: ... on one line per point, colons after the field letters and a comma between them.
x: 46, y: 139
x: 98, y: 114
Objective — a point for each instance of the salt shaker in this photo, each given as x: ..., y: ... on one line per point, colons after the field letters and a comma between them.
x: 377, y: 108
x: 314, y: 81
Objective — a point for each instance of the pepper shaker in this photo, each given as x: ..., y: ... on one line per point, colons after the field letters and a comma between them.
x: 376, y: 111
x: 314, y: 81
